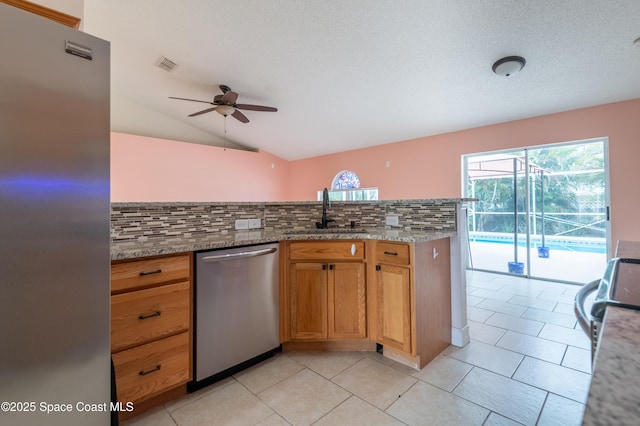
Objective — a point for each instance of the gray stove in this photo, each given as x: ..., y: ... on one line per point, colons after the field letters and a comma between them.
x: 619, y: 286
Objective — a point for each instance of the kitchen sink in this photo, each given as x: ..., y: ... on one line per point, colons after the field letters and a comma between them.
x: 326, y: 231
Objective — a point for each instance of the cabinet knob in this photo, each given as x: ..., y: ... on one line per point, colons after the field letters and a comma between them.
x: 353, y: 249
x: 435, y: 253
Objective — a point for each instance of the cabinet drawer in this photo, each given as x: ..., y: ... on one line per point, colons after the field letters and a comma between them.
x: 327, y: 250
x: 149, y: 369
x: 394, y: 253
x: 144, y: 273
x: 141, y: 316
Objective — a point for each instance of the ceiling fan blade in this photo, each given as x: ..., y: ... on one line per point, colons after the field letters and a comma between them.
x: 204, y: 111
x: 256, y: 107
x: 229, y: 97
x: 192, y: 100
x: 240, y: 116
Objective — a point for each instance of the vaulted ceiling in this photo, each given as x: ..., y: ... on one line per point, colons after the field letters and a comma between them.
x: 358, y: 73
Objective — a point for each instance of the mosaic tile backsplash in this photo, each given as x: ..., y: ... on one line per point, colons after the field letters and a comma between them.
x: 140, y: 221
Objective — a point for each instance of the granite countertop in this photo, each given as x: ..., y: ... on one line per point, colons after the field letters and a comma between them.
x: 360, y: 202
x: 158, y: 246
x: 614, y: 396
x: 615, y: 387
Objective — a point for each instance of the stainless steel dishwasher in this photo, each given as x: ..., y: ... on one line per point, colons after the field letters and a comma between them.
x: 236, y: 310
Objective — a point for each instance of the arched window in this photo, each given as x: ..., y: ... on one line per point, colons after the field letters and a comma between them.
x: 346, y: 179
x: 346, y: 187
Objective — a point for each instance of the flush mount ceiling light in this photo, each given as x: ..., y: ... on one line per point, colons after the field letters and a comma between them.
x: 509, y: 65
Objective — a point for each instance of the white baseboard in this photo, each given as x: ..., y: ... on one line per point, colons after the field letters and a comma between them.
x: 460, y: 337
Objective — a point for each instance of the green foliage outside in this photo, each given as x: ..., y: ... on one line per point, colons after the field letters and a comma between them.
x: 566, y: 192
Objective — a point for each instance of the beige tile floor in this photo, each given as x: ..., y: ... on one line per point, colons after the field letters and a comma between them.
x: 528, y: 363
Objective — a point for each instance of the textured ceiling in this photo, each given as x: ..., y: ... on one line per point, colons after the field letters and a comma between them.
x: 351, y: 74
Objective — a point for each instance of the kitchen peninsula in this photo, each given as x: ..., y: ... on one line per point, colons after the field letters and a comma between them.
x: 150, y: 229
x: 409, y: 275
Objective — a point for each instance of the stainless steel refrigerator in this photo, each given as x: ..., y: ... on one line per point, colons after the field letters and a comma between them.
x: 54, y: 223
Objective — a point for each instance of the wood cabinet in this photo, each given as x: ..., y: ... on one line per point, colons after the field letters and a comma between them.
x: 347, y: 311
x: 324, y: 291
x: 151, y: 302
x: 413, y: 299
x: 354, y: 293
x: 308, y: 303
x: 393, y: 288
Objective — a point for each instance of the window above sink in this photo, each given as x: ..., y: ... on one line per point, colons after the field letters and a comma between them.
x: 346, y: 187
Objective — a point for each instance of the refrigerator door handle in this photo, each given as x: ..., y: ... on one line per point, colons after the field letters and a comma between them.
x: 241, y: 255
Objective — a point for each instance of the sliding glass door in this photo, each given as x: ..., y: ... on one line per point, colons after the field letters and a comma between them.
x: 541, y: 211
x: 496, y: 180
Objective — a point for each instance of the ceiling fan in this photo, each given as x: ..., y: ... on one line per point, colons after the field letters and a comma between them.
x: 225, y: 104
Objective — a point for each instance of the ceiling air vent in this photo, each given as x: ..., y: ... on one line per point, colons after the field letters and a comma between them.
x: 166, y: 64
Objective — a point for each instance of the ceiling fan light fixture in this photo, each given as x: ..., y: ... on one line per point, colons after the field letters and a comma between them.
x: 225, y: 109
x: 226, y: 105
x: 509, y: 65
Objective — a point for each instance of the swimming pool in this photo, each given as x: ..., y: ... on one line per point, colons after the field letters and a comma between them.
x: 576, y: 244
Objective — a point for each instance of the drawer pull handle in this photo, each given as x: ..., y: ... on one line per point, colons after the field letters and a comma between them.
x: 155, y: 314
x: 391, y: 253
x: 144, y: 373
x: 157, y: 271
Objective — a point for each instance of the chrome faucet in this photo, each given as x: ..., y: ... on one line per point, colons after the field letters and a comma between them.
x: 325, y: 205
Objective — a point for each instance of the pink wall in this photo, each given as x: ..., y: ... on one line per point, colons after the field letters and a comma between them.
x: 430, y: 167
x: 148, y: 169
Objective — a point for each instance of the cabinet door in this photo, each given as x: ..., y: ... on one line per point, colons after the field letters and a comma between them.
x: 308, y: 284
x: 347, y: 301
x: 394, y: 306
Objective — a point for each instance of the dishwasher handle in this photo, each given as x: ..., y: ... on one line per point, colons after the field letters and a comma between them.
x: 578, y: 306
x: 240, y: 255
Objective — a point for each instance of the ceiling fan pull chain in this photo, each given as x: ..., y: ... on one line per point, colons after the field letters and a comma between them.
x: 225, y: 132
